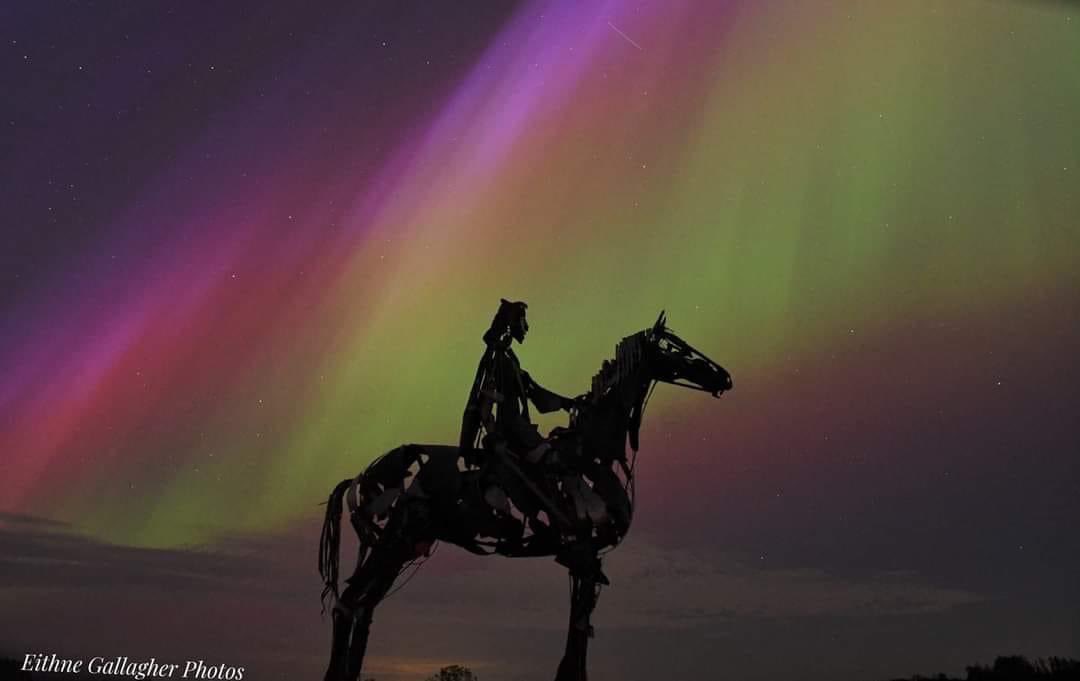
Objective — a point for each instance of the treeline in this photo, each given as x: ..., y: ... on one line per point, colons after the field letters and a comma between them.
x: 1015, y: 668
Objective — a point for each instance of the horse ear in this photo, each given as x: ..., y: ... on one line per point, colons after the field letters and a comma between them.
x: 659, y: 326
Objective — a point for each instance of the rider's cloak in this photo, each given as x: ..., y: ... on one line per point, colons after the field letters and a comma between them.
x: 502, y: 390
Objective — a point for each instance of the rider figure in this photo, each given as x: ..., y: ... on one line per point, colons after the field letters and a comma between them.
x: 498, y: 404
x: 500, y: 395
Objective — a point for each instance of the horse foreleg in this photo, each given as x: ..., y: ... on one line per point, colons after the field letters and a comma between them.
x: 584, y: 593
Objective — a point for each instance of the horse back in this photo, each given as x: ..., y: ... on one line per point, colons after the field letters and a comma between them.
x: 435, y: 468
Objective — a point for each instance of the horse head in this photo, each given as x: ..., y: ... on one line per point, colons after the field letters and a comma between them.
x: 672, y: 360
x: 645, y: 358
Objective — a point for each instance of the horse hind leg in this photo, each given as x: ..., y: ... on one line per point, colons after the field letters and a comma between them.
x: 353, y: 612
x: 404, y: 535
x: 343, y: 625
x: 348, y: 621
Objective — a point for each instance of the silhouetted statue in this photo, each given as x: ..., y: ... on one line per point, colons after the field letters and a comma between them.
x: 570, y: 496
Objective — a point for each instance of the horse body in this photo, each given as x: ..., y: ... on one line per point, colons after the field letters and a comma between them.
x: 572, y: 498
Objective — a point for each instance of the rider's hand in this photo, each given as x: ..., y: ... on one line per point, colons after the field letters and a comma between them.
x: 574, y: 402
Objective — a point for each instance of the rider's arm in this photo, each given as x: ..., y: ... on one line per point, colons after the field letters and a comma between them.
x: 545, y: 400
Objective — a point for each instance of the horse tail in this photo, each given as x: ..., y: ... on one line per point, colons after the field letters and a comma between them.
x: 330, y: 541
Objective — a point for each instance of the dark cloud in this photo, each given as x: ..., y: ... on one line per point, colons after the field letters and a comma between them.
x: 45, y: 553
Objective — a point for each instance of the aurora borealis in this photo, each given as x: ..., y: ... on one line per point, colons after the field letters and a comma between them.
x: 250, y: 248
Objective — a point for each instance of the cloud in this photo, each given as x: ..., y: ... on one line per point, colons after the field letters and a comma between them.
x: 657, y: 588
x: 651, y: 586
x: 680, y: 586
x: 42, y: 553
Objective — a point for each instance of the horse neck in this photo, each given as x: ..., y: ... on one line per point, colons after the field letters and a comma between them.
x: 616, y: 409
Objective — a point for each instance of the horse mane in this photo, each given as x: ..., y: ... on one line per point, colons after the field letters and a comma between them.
x: 614, y: 375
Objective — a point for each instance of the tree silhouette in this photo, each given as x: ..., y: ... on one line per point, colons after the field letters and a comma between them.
x: 1022, y: 669
x: 1016, y: 668
x: 454, y: 672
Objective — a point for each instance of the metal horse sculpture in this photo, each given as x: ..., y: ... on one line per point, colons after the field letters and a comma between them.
x: 573, y: 498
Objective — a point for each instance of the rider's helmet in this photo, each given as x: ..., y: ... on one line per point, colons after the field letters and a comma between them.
x: 508, y: 321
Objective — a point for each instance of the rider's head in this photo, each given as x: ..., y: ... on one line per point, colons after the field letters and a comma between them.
x: 519, y: 326
x: 509, y: 320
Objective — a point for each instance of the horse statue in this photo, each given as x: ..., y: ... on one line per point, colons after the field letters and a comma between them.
x: 572, y: 498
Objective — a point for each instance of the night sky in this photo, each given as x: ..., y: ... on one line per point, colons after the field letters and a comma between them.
x: 250, y: 246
